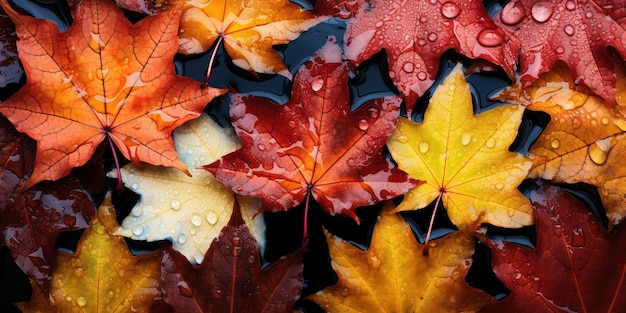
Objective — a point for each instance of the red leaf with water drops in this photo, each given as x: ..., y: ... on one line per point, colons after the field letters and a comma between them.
x: 576, y: 266
x: 416, y: 33
x: 314, y: 145
x: 337, y: 8
x: 31, y: 220
x: 230, y: 279
x: 575, y: 32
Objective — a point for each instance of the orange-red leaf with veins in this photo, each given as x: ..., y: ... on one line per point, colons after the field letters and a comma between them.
x: 416, y: 33
x: 314, y: 145
x: 575, y: 267
x: 102, y: 77
x: 31, y: 220
x: 230, y: 278
x: 575, y: 32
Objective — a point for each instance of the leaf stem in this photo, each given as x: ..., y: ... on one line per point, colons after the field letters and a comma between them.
x: 120, y: 184
x: 305, y: 232
x: 430, y: 227
x: 208, y: 72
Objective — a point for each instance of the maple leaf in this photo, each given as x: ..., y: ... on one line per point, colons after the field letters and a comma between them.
x: 416, y: 33
x: 31, y: 220
x: 103, y: 77
x: 10, y: 70
x: 464, y: 158
x: 190, y: 211
x: 231, y: 279
x: 314, y: 145
x: 573, y: 257
x: 102, y: 275
x: 393, y: 276
x: 584, y: 140
x: 249, y: 30
x: 575, y: 32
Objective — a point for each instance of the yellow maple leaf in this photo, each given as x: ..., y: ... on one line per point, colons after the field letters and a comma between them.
x: 464, y: 159
x: 394, y: 276
x: 248, y: 28
x: 585, y: 140
x: 102, y: 275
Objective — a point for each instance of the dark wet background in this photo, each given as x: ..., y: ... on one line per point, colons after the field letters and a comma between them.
x: 284, y: 230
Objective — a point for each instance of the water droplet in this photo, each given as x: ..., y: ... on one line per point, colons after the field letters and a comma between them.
x: 490, y: 38
x: 182, y: 239
x: 134, y: 186
x: 518, y: 275
x: 589, y: 14
x: 196, y: 220
x: 211, y: 218
x: 379, y: 24
x: 345, y: 292
x: 137, y: 211
x: 604, y: 121
x: 374, y: 262
x: 555, y: 144
x: 560, y: 49
x: 292, y: 123
x: 364, y: 124
x: 466, y: 138
x: 175, y: 204
x: 569, y: 29
x: 512, y: 13
x: 317, y: 84
x: 450, y: 10
x: 578, y: 238
x: 217, y: 293
x: 261, y: 147
x: 424, y: 146
x: 402, y: 139
x: 138, y: 230
x: 421, y: 75
x: 490, y: 143
x: 421, y: 42
x: 542, y: 11
x: 599, y: 151
x: 408, y: 67
x: 81, y: 301
x: 373, y: 112
x: 432, y: 37
x: 499, y: 185
x: 570, y: 5
x: 190, y: 151
x: 251, y: 258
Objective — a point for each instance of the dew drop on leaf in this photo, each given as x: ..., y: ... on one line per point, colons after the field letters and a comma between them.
x: 569, y: 30
x: 466, y: 138
x: 374, y: 113
x: 421, y: 76
x: 196, y: 220
x: 175, y: 205
x: 555, y: 144
x: 182, y: 239
x: 251, y: 258
x: 450, y: 10
x: 345, y: 292
x: 570, y: 5
x: 317, y: 84
x: 599, y: 151
x: 138, y: 230
x: 211, y: 218
x: 490, y: 38
x: 364, y: 124
x: 402, y: 139
x: 424, y: 146
x: 432, y: 37
x: 542, y: 11
x: 134, y: 186
x: 512, y: 13
x: 560, y: 49
x: 408, y: 67
x: 490, y: 143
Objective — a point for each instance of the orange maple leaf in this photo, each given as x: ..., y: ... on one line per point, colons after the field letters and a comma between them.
x: 103, y: 77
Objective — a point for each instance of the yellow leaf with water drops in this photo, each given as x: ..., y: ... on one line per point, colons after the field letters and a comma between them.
x: 585, y: 140
x: 394, y: 276
x: 464, y: 159
x: 189, y: 211
x: 249, y: 29
x: 102, y: 275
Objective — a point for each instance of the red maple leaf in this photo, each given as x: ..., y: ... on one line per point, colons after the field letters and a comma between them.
x: 575, y: 32
x: 416, y: 33
x: 230, y: 278
x: 31, y: 220
x: 314, y: 145
x: 576, y: 266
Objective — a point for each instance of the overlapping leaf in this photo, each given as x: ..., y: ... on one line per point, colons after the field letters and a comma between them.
x: 584, y: 141
x: 191, y: 211
x: 103, y: 77
x: 10, y: 70
x: 31, y: 220
x: 394, y: 276
x: 416, y: 33
x: 102, y: 275
x: 230, y: 278
x: 575, y: 267
x: 249, y: 30
x: 575, y: 32
x: 464, y: 158
x: 314, y: 145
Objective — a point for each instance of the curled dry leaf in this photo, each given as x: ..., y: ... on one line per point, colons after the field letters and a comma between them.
x: 103, y: 77
x: 575, y: 267
x: 416, y: 33
x: 32, y: 219
x: 189, y: 211
x: 575, y: 32
x: 249, y: 30
x: 464, y: 158
x: 314, y: 145
x: 230, y: 278
x: 102, y: 275
x: 394, y: 276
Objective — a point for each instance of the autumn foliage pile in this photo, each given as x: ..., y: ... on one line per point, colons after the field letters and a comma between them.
x: 103, y: 103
